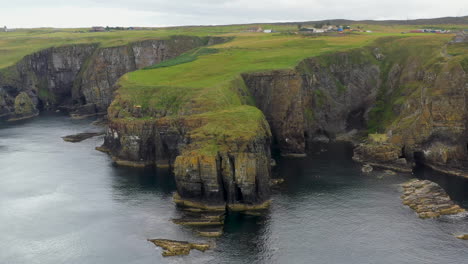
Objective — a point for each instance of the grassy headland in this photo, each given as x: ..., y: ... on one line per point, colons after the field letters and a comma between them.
x: 206, y: 84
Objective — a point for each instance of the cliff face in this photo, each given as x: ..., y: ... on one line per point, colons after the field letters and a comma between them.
x: 107, y: 65
x: 320, y: 98
x: 47, y: 77
x: 410, y: 90
x: 421, y: 110
x: 82, y: 75
x: 236, y: 174
x: 431, y: 126
x: 212, y: 169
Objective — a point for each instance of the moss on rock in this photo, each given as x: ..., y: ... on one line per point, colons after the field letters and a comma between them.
x: 24, y: 107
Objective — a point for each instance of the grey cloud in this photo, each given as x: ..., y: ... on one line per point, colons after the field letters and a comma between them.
x: 190, y: 12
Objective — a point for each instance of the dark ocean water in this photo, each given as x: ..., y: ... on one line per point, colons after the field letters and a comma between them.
x: 66, y: 203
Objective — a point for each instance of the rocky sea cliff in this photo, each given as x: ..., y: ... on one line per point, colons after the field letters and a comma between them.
x: 408, y: 94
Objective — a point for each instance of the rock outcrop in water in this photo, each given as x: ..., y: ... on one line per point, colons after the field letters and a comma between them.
x: 236, y: 174
x: 82, y: 77
x: 428, y: 199
x: 175, y: 248
x: 81, y: 136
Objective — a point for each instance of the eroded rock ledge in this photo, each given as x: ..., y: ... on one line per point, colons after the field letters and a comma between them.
x: 175, y: 248
x: 428, y: 199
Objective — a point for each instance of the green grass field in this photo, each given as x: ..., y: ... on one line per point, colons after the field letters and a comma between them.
x: 15, y: 45
x: 206, y: 83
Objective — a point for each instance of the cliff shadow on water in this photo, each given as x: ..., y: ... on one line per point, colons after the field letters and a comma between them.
x: 455, y: 186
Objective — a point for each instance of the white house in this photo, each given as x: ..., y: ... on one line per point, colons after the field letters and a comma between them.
x: 267, y: 31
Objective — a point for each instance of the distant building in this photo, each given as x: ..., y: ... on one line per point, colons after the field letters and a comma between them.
x: 98, y: 29
x: 254, y: 29
x: 267, y: 31
x: 5, y: 29
x: 312, y: 30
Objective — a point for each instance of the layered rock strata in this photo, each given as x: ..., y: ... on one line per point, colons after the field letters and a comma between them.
x: 81, y: 77
x: 410, y: 90
x: 321, y: 97
x: 428, y: 199
x: 211, y: 171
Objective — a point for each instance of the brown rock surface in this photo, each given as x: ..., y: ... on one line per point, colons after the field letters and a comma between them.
x: 175, y: 248
x: 428, y: 199
x: 81, y: 136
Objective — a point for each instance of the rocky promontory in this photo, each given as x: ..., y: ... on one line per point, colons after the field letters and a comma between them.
x: 403, y: 99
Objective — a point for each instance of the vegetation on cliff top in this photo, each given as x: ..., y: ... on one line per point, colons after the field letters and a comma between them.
x: 16, y: 44
x: 209, y: 84
x: 410, y: 56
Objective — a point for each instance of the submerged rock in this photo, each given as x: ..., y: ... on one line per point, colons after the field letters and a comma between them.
x: 100, y: 122
x: 276, y: 181
x: 273, y: 162
x: 198, y: 221
x: 85, y: 111
x: 174, y: 247
x: 428, y: 199
x: 254, y: 213
x: 210, y: 231
x: 81, y: 136
x: 367, y: 168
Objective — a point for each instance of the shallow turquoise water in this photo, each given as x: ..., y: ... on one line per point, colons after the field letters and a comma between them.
x: 66, y: 203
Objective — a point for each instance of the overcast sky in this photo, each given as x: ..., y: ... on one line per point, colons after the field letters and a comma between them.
x: 85, y: 13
